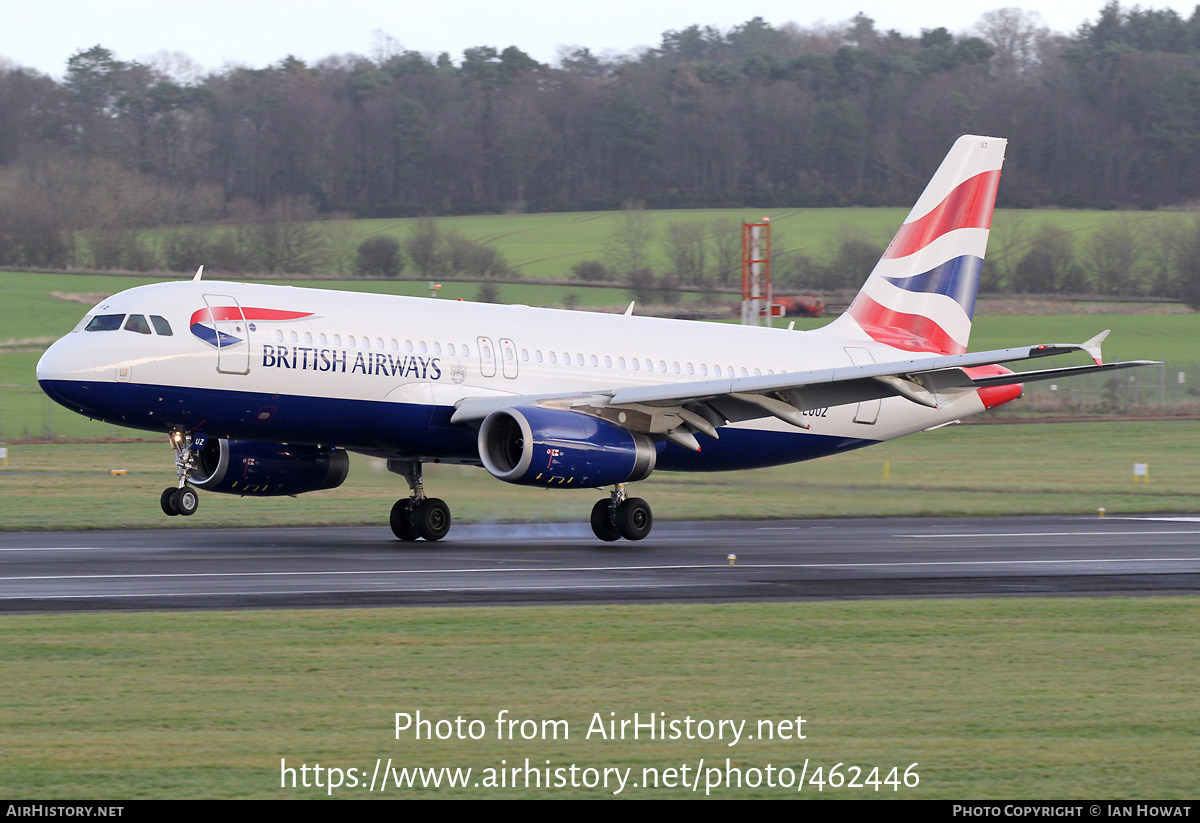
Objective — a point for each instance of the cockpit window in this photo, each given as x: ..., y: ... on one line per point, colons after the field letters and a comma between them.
x: 161, y: 325
x: 105, y: 322
x: 138, y: 324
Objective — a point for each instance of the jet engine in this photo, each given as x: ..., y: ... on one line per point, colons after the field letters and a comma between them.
x: 266, y: 469
x: 534, y: 446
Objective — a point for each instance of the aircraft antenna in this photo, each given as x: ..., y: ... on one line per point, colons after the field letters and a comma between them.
x: 199, y: 274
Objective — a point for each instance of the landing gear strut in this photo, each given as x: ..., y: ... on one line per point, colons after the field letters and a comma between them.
x: 620, y: 516
x: 418, y: 515
x: 181, y: 499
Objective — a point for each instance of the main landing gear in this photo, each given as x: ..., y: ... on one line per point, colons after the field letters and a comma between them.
x: 418, y: 515
x: 620, y: 516
x: 181, y: 499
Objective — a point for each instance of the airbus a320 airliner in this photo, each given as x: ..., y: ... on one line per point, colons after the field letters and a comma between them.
x: 263, y: 389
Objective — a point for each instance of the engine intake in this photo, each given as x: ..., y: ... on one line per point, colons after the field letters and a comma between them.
x: 532, y: 446
x: 267, y: 469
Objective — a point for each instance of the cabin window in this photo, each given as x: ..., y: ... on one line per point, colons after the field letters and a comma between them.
x: 691, y: 370
x: 607, y: 361
x: 337, y: 340
x: 662, y: 366
x: 703, y: 370
x: 105, y: 322
x: 295, y: 337
x: 161, y: 325
x: 450, y: 349
x: 437, y: 348
x: 621, y: 362
x: 350, y: 341
x: 308, y: 338
x: 425, y: 348
x: 538, y: 355
x: 525, y: 355
x: 137, y: 323
x: 579, y: 359
x: 553, y: 357
x: 408, y: 345
x: 744, y: 372
x: 675, y: 366
x: 757, y: 373
x: 395, y: 345
x: 595, y: 360
x: 717, y: 371
x: 466, y: 350
x: 323, y: 339
x: 379, y: 343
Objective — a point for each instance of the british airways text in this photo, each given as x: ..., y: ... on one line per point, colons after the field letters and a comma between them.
x: 317, y: 359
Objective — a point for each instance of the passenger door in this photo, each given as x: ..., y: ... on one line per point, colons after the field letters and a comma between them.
x: 233, y: 333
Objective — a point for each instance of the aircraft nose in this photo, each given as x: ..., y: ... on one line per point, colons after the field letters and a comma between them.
x: 66, y: 359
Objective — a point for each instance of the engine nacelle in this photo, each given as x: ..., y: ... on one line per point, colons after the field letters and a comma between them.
x: 256, y: 469
x: 533, y: 446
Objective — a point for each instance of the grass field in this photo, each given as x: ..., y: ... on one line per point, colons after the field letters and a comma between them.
x: 1072, y: 468
x: 1053, y: 698
x: 548, y: 245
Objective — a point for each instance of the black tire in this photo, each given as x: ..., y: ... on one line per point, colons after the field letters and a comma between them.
x: 433, y: 518
x: 167, y: 501
x: 602, y: 525
x: 402, y: 521
x: 634, y: 518
x: 186, y: 501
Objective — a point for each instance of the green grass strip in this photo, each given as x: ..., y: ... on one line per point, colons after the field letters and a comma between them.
x: 1048, y: 698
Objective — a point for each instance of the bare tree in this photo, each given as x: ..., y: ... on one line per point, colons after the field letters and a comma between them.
x: 1048, y: 264
x: 286, y: 237
x: 1011, y: 240
x: 1113, y: 258
x: 686, y: 248
x: 1016, y: 35
x: 727, y: 239
x: 627, y: 246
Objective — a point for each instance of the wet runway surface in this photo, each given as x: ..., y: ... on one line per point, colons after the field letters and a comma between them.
x: 563, y: 563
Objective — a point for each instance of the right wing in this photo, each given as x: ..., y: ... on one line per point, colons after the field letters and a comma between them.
x: 679, y: 410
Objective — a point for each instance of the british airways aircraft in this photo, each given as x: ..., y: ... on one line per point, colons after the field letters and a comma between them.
x: 263, y: 389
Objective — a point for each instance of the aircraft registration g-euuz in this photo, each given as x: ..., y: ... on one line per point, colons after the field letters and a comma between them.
x: 262, y: 389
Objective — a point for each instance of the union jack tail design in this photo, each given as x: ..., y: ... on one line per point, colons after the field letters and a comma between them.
x: 921, y: 294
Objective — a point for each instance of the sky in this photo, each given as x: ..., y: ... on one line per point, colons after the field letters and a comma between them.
x: 257, y: 33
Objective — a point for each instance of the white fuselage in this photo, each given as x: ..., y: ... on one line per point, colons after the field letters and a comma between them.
x: 293, y: 365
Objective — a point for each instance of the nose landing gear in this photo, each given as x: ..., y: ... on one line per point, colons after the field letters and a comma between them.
x: 181, y: 499
x: 620, y: 516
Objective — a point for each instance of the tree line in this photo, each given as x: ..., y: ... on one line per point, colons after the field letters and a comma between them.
x: 758, y: 115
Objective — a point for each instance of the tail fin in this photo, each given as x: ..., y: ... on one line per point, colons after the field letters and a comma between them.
x: 921, y: 294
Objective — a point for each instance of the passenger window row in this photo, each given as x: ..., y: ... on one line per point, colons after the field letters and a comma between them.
x: 636, y: 364
x: 365, y: 343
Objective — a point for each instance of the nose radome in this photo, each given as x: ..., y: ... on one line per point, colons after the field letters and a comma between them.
x: 65, y: 359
